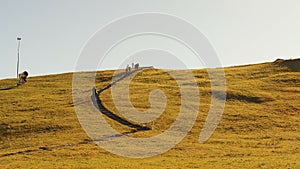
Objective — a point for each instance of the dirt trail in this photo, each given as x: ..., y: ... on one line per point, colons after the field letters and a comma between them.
x: 98, y: 104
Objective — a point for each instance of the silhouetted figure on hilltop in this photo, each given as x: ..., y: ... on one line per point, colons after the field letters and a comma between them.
x: 22, y: 78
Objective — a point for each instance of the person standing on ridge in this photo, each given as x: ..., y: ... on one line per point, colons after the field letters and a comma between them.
x: 136, y: 66
x: 127, y: 68
x: 22, y: 78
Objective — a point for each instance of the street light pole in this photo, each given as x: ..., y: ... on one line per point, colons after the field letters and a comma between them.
x: 19, y: 43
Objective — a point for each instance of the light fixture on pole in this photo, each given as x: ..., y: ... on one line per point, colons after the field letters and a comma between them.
x: 19, y: 43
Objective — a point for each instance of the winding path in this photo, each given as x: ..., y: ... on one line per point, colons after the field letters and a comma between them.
x: 98, y: 104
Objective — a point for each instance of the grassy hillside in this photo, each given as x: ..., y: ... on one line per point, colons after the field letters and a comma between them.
x: 260, y: 127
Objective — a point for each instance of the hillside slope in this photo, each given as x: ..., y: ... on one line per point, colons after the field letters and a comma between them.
x: 260, y: 127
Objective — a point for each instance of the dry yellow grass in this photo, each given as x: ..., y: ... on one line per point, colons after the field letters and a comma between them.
x: 259, y: 127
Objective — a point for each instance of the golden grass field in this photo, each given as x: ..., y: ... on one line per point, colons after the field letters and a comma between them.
x: 260, y: 126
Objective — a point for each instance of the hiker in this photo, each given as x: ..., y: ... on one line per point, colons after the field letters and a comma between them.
x: 127, y: 68
x: 22, y: 77
x: 136, y: 66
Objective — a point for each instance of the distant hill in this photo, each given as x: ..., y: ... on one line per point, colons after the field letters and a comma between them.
x: 260, y: 126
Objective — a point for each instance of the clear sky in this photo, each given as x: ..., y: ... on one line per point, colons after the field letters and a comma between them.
x: 55, y: 31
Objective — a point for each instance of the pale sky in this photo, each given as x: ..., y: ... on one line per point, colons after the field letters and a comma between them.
x: 55, y: 31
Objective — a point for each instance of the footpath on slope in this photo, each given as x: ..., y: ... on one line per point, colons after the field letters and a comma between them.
x: 98, y: 103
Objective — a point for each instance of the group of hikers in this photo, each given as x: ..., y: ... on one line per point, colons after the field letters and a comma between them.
x: 135, y: 66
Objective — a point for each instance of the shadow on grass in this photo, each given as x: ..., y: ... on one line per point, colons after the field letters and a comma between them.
x: 9, y: 88
x: 49, y: 148
x: 244, y: 98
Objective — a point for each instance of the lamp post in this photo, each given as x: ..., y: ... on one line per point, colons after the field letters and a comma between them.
x: 19, y: 43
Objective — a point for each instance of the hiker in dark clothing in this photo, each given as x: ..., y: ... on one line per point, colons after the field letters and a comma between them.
x: 23, y: 77
x: 136, y: 66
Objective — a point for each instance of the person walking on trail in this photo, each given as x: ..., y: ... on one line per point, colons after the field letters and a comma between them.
x: 136, y: 66
x: 127, y: 68
x: 22, y: 78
